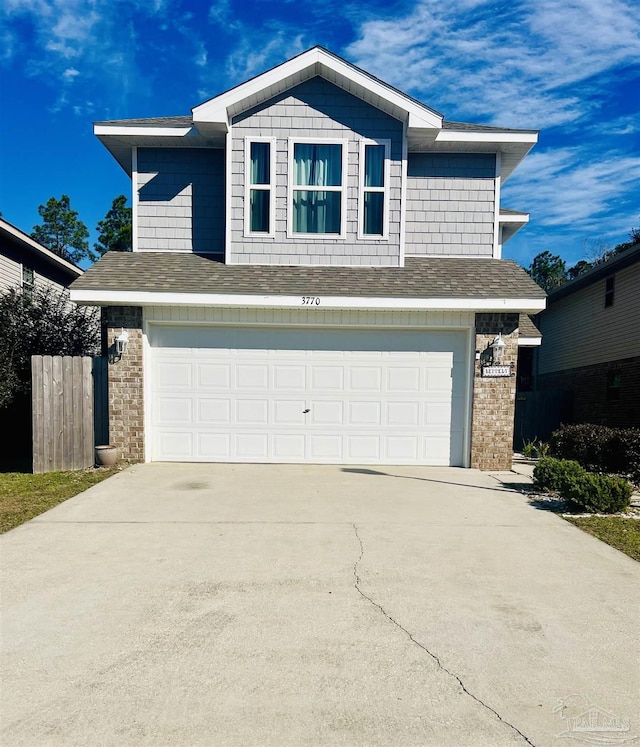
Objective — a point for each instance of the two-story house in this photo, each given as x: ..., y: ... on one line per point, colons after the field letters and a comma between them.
x: 316, y: 277
x: 25, y: 263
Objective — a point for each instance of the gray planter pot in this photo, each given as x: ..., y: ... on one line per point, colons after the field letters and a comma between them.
x: 106, y: 455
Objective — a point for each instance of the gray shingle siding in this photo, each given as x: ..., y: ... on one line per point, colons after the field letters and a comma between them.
x: 315, y: 109
x: 181, y: 199
x: 450, y: 204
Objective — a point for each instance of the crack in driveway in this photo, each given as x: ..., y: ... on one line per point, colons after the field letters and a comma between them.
x: 391, y: 619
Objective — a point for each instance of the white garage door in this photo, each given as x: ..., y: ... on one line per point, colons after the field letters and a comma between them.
x: 307, y: 395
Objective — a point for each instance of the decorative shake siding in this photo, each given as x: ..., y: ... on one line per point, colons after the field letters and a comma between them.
x: 315, y: 109
x: 450, y: 204
x: 125, y: 382
x: 181, y: 199
x: 494, y: 398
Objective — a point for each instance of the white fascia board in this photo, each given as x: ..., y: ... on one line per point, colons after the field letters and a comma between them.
x: 26, y: 239
x: 142, y: 131
x: 151, y: 298
x: 507, y: 218
x: 215, y: 110
x: 499, y: 138
x: 529, y: 342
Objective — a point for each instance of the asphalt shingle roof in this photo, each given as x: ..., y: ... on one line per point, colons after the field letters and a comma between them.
x: 527, y: 327
x: 432, y: 277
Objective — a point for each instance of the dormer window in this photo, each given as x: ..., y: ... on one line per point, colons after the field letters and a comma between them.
x: 259, y: 197
x: 374, y: 180
x: 316, y: 187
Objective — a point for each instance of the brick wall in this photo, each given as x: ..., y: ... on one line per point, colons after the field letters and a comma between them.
x: 592, y: 401
x: 125, y: 381
x: 494, y: 398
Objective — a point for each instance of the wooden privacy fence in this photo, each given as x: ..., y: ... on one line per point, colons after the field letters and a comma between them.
x: 63, y: 410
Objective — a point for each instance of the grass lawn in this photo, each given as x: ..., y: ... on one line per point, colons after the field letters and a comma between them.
x: 623, y: 534
x: 23, y: 496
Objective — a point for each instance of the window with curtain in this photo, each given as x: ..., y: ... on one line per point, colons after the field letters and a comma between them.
x: 317, y: 188
x: 373, y: 159
x: 259, y: 181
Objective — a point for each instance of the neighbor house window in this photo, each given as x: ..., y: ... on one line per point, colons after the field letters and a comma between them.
x: 316, y: 178
x: 259, y: 178
x: 28, y: 281
x: 614, y: 385
x: 609, y: 290
x: 374, y: 180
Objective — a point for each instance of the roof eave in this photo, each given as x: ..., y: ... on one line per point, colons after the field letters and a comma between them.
x: 42, y: 251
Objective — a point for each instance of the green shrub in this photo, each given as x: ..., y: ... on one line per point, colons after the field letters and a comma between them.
x: 555, y: 474
x: 598, y: 493
x: 599, y: 448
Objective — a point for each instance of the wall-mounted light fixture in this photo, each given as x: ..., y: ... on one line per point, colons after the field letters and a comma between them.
x: 497, y: 348
x: 122, y: 340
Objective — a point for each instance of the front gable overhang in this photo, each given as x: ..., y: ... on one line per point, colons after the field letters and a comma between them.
x: 171, y: 279
x: 511, y: 221
x: 220, y: 110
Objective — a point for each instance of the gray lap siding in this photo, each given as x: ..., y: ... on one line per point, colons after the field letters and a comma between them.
x: 181, y: 199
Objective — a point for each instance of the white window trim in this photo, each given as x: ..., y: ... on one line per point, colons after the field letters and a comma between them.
x: 344, y: 143
x: 384, y: 236
x: 271, y: 187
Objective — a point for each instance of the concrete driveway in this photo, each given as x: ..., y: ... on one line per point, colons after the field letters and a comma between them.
x: 292, y: 605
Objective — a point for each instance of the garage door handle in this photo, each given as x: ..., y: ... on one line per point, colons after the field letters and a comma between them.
x: 306, y: 411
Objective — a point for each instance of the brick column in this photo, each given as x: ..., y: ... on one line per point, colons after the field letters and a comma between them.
x: 494, y: 398
x: 125, y: 381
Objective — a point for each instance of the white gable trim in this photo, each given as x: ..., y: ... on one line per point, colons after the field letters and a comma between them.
x: 304, y: 66
x: 33, y: 244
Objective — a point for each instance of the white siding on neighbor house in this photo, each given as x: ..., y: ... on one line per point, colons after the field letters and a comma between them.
x: 10, y: 273
x: 315, y: 109
x: 579, y: 331
x: 450, y: 204
x: 180, y: 199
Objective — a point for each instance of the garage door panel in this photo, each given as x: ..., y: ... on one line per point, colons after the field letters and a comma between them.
x: 365, y: 413
x: 326, y: 412
x: 175, y: 410
x: 174, y: 375
x: 214, y: 446
x: 390, y: 396
x: 213, y: 376
x: 216, y: 411
x: 289, y: 412
x: 251, y: 446
x: 252, y: 376
x: 365, y: 379
x: 289, y: 446
x: 290, y: 377
x: 252, y: 412
x: 406, y: 414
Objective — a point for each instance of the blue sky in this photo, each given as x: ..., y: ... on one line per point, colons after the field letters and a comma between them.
x: 570, y: 68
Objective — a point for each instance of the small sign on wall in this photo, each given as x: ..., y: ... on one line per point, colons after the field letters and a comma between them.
x: 496, y: 371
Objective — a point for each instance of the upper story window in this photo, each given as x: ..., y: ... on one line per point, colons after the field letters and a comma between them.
x: 28, y: 281
x: 374, y: 180
x: 259, y: 193
x: 316, y: 187
x: 609, y: 291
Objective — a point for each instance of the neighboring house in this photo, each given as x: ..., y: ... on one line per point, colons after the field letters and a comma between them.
x: 591, y: 343
x: 27, y: 264
x: 316, y: 277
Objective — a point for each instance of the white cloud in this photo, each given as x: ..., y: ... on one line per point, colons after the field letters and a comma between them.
x: 570, y: 188
x: 513, y: 64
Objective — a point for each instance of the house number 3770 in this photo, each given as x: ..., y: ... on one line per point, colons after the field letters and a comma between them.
x: 310, y: 301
